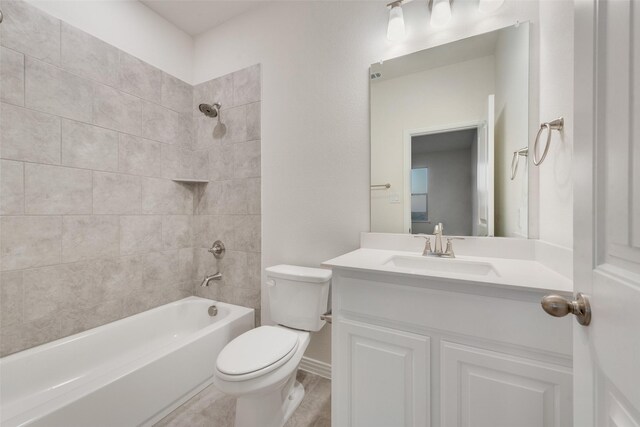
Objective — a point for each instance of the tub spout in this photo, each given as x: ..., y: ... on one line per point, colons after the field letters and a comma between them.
x: 207, y: 279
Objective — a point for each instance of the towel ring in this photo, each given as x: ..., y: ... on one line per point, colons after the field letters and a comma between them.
x: 515, y: 161
x: 557, y: 124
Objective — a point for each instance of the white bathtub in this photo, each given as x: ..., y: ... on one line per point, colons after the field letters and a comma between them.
x: 127, y: 373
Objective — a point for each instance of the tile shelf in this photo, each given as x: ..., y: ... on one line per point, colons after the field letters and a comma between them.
x: 190, y: 180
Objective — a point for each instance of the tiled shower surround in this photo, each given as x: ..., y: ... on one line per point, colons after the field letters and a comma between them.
x: 93, y: 228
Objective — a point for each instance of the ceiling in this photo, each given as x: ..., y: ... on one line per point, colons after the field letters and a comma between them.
x: 197, y: 16
x: 439, y: 56
x: 446, y: 141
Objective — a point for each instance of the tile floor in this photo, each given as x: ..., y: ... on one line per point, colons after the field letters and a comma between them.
x: 212, y: 408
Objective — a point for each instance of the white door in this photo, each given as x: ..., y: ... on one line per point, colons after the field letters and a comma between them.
x: 607, y: 212
x: 485, y: 172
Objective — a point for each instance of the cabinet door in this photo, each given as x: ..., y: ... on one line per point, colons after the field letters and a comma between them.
x: 482, y: 388
x: 381, y: 377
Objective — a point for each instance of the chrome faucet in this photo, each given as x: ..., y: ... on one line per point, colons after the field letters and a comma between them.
x: 437, y: 251
x: 437, y: 231
x: 207, y: 279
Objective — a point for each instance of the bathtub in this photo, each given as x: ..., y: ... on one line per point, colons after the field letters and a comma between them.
x: 130, y: 372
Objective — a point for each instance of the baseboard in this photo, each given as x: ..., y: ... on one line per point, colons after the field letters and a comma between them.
x: 316, y: 367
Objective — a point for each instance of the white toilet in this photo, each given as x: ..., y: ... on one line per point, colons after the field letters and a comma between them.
x: 260, y: 366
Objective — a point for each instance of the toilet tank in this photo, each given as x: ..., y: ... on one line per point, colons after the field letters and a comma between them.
x: 298, y: 296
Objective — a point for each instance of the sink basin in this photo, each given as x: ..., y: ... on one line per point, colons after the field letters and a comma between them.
x: 416, y: 264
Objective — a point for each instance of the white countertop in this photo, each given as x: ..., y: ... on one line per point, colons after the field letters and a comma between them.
x: 524, y: 274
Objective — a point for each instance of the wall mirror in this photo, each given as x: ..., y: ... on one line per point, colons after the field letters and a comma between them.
x: 449, y: 131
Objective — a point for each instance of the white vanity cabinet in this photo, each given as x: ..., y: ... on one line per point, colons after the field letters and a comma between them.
x: 418, y: 351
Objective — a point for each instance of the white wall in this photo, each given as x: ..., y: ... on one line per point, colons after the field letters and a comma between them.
x: 438, y: 97
x: 556, y: 99
x: 132, y: 27
x: 511, y: 131
x: 315, y: 163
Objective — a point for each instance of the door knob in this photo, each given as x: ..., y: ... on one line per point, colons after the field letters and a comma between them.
x: 559, y: 306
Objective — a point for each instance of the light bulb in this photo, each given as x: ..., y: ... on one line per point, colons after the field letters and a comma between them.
x: 440, y: 13
x: 488, y: 6
x: 395, y: 29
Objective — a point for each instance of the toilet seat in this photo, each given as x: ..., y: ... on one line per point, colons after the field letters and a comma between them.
x: 256, y: 353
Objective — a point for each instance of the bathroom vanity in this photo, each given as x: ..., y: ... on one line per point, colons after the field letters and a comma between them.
x: 427, y: 341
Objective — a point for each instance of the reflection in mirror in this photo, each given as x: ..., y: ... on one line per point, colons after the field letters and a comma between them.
x: 445, y: 124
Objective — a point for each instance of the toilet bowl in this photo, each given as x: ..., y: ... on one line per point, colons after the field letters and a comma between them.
x: 259, y: 367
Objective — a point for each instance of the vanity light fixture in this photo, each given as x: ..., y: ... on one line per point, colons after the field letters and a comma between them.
x: 395, y: 28
x: 488, y: 6
x: 440, y: 13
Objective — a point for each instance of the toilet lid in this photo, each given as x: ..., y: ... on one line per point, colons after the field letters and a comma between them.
x: 256, y: 349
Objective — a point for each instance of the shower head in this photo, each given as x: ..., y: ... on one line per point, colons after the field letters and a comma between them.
x: 210, y: 110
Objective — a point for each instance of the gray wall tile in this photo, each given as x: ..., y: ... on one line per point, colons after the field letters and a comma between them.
x: 176, y: 94
x: 115, y: 193
x: 29, y: 135
x: 201, y: 165
x: 56, y: 190
x: 246, y: 159
x: 140, y: 156
x: 220, y: 165
x: 208, y: 133
x: 253, y: 121
x: 203, y: 138
x: 118, y: 277
x: 89, y: 237
x: 248, y: 233
x: 139, y: 78
x: 88, y: 56
x: 177, y: 231
x: 117, y: 110
x: 29, y: 334
x: 140, y: 233
x: 235, y: 120
x: 55, y: 91
x: 254, y: 270
x: 162, y: 124
x: 77, y: 319
x: 177, y: 162
x: 160, y: 269
x: 234, y: 197
x: 11, y: 76
x: 29, y: 241
x: 48, y: 289
x: 11, y: 298
x: 28, y: 30
x: 209, y: 199
x: 161, y: 196
x: 218, y: 90
x: 253, y: 195
x: 89, y: 147
x: 11, y: 188
x: 246, y: 85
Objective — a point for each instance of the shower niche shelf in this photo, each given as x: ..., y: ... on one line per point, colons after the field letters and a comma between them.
x: 190, y: 180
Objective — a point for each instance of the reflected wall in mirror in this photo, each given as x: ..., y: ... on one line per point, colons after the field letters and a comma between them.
x: 446, y: 124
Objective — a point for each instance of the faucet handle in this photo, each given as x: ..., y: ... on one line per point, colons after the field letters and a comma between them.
x: 449, y: 249
x: 427, y: 243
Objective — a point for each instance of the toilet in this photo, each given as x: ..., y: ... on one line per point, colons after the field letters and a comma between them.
x: 259, y: 367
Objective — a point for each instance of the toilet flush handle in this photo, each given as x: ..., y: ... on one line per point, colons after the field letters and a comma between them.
x: 327, y: 317
x: 271, y: 283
